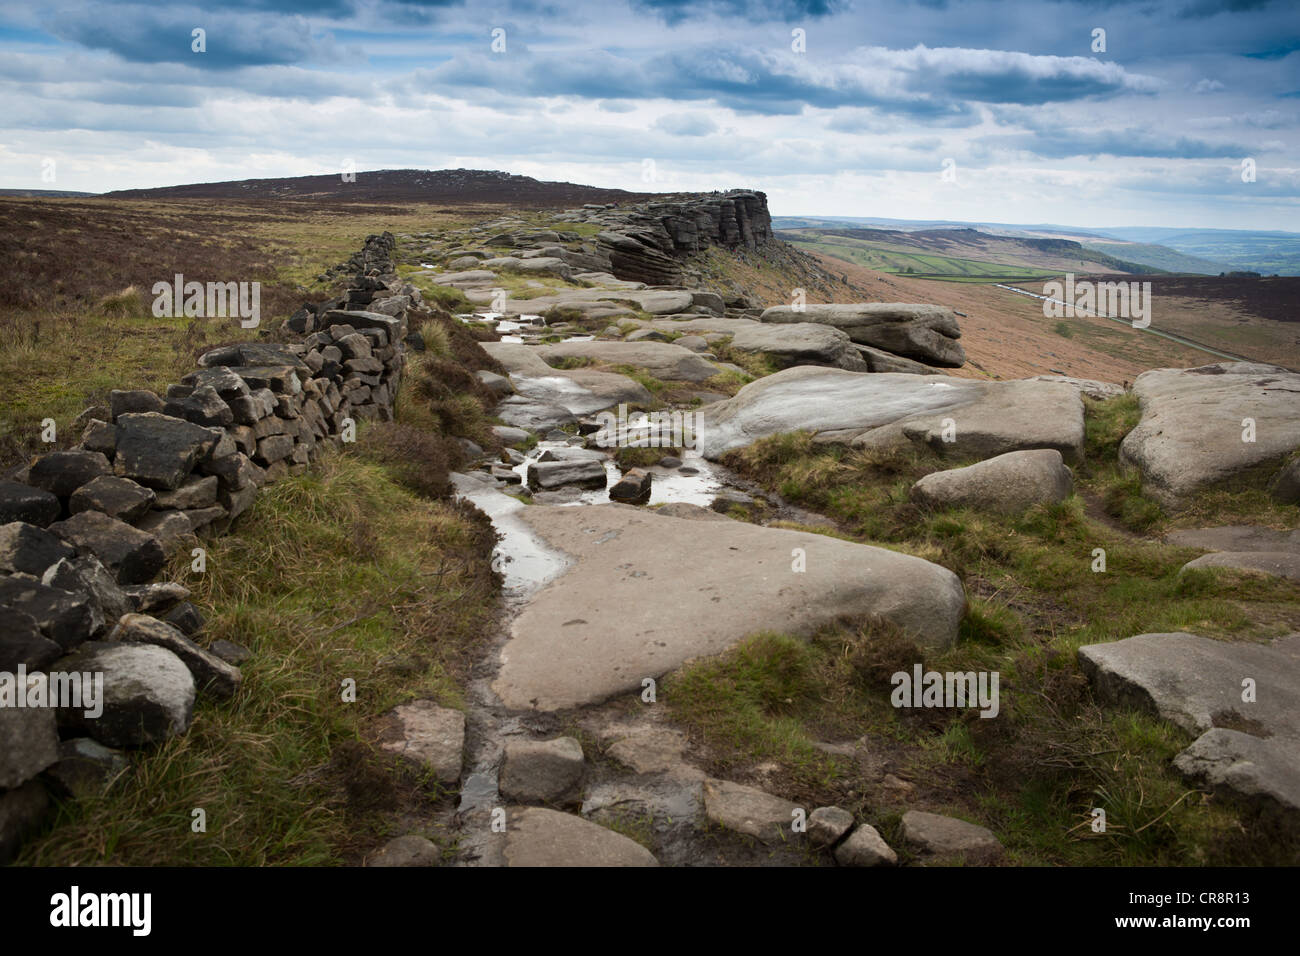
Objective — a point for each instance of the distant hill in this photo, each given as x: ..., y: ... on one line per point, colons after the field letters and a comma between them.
x: 36, y: 193
x: 1097, y: 245
x: 966, y: 255
x: 1269, y: 253
x: 399, y: 185
x: 1194, y: 251
x: 1157, y: 256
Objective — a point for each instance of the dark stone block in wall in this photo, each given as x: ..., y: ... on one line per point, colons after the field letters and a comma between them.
x: 20, y: 502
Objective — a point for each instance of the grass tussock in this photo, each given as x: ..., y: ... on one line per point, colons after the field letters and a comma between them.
x: 755, y: 364
x: 570, y: 362
x: 418, y: 459
x: 654, y: 386
x: 127, y: 304
x: 628, y: 456
x: 341, y: 574
x: 443, y: 297
x: 442, y: 394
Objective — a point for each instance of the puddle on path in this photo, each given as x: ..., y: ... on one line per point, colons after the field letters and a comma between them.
x: 522, y: 328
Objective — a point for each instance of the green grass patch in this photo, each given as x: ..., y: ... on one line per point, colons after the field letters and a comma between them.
x: 1036, y: 592
x: 651, y: 384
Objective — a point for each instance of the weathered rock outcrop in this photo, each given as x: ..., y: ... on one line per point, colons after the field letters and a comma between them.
x: 801, y: 343
x: 957, y: 417
x: 580, y: 391
x: 927, y: 333
x: 1201, y: 426
x: 642, y: 245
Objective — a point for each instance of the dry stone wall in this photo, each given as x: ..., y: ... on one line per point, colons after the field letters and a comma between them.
x: 95, y: 654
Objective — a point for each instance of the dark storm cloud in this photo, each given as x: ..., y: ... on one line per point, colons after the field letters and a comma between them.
x: 144, y: 34
x: 789, y: 11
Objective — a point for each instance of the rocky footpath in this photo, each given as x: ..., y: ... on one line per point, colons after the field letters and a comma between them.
x: 619, y: 572
x: 85, y: 531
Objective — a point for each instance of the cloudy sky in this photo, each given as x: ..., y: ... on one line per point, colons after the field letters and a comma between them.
x: 980, y: 110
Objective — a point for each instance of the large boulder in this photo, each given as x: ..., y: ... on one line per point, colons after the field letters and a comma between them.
x: 646, y: 591
x: 538, y: 264
x: 1202, y: 426
x: 211, y: 674
x: 654, y: 301
x: 927, y: 333
x: 801, y: 343
x: 1237, y: 537
x: 546, y: 475
x: 532, y: 415
x: 982, y: 419
x: 1260, y: 772
x: 1196, y: 682
x: 1243, y: 698
x: 580, y: 391
x: 1278, y: 564
x: 148, y: 694
x: 1009, y: 484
